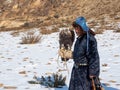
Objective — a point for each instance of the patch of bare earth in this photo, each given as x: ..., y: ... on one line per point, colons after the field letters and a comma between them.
x: 25, y: 14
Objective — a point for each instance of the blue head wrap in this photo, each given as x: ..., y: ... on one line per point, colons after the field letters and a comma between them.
x: 81, y: 21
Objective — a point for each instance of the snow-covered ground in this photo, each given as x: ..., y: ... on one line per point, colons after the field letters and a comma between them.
x: 20, y: 62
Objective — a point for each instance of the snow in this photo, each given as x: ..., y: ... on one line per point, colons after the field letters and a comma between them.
x: 42, y: 59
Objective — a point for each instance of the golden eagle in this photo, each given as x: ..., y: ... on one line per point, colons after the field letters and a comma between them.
x: 66, y: 39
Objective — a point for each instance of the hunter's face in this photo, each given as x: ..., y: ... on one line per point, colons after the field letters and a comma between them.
x: 78, y: 31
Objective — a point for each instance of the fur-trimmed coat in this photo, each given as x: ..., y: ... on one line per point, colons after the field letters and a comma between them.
x: 80, y: 75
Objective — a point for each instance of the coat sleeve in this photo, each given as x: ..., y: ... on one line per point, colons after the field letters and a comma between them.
x: 93, y: 58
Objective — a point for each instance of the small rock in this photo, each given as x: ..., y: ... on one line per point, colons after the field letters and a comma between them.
x: 104, y: 65
x: 1, y: 85
x: 22, y: 72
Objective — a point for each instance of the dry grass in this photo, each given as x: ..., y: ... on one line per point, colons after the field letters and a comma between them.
x: 53, y: 12
x: 31, y: 38
x: 112, y: 81
x: 99, y: 31
x: 118, y: 30
x: 45, y: 30
x: 10, y: 87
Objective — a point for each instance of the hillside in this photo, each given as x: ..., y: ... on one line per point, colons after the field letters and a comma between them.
x: 18, y: 14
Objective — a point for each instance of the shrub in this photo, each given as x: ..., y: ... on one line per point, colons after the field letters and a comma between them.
x: 54, y: 81
x: 31, y: 38
x: 56, y: 16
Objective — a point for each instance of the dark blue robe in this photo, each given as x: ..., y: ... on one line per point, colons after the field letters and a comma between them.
x: 80, y: 75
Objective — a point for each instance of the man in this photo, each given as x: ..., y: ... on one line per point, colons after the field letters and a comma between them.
x: 85, y: 56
